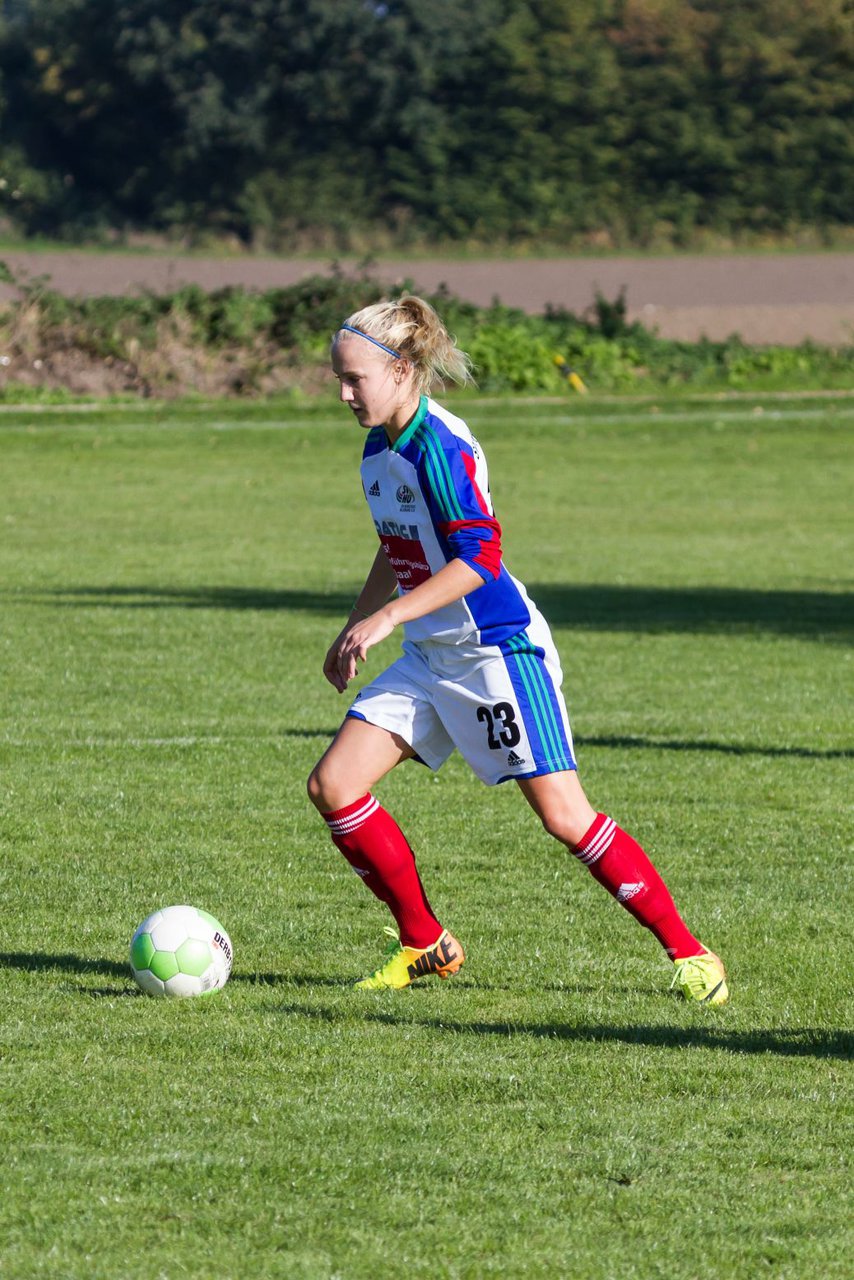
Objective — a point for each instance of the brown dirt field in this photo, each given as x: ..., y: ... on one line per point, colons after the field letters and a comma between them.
x: 782, y: 298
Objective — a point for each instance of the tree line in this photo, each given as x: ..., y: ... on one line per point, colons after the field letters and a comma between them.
x: 292, y: 122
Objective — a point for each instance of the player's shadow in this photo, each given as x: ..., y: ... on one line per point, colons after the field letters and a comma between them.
x: 287, y: 980
x: 627, y: 742
x: 820, y: 615
x: 801, y: 1042
x: 806, y: 1042
x: 825, y: 615
x: 785, y: 1042
x: 633, y: 742
x: 147, y: 596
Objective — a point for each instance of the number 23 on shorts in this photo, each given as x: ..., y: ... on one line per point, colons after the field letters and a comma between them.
x: 501, y: 727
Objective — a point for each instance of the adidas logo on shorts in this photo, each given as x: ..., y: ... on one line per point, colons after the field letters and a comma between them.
x: 513, y: 760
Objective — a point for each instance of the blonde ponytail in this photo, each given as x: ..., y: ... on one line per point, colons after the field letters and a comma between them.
x: 410, y: 327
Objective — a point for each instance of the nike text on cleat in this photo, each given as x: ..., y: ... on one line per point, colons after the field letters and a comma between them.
x: 404, y: 964
x: 701, y: 978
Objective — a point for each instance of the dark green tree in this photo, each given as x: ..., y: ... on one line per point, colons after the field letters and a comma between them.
x: 503, y: 119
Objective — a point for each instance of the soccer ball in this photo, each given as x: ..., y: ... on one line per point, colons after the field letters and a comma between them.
x: 180, y: 951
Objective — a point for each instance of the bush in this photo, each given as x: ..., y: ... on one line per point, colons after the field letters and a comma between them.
x: 251, y: 341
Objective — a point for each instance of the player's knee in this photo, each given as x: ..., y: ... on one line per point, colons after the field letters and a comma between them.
x: 564, y: 825
x: 326, y: 790
x: 554, y: 825
x: 315, y: 788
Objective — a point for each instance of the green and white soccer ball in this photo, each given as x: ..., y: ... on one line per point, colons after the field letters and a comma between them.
x: 180, y: 951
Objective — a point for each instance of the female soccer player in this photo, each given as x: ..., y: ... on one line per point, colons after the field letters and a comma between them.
x: 479, y: 669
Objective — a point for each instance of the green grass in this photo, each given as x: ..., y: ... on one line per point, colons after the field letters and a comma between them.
x: 172, y: 577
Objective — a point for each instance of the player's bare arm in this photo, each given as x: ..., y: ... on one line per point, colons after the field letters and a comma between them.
x: 379, y: 585
x: 450, y: 584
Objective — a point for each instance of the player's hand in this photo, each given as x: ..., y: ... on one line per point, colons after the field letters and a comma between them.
x: 330, y: 662
x: 352, y: 647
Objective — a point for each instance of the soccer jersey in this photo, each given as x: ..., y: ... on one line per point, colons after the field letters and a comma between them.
x: 428, y: 495
x: 481, y: 674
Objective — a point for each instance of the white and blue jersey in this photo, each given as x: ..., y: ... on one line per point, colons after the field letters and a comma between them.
x: 429, y: 498
x: 480, y: 674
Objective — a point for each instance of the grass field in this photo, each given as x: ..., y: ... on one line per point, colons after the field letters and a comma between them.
x: 171, y: 579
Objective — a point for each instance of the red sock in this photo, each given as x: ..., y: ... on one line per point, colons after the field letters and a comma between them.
x: 620, y: 864
x: 379, y: 853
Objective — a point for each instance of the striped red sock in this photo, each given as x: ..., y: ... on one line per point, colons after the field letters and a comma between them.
x: 621, y: 866
x: 379, y: 853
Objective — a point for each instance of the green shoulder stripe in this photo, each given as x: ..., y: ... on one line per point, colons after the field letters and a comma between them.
x: 440, y: 478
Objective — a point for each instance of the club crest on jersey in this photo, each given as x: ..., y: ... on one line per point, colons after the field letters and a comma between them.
x: 406, y: 498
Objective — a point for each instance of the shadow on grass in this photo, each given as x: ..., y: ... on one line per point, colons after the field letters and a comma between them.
x: 587, y: 607
x: 65, y: 962
x: 785, y: 1042
x: 625, y: 742
x: 288, y: 980
x: 250, y: 979
x: 801, y: 1042
x: 44, y: 962
x: 151, y: 597
x: 40, y: 961
x: 112, y: 993
x: 600, y: 607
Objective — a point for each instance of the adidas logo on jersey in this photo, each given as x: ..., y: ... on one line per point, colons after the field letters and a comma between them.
x: 513, y: 760
x: 374, y: 490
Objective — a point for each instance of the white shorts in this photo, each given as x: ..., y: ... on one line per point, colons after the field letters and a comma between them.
x: 501, y: 706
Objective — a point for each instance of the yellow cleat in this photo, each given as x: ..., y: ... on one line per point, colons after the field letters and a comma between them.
x: 404, y: 964
x: 701, y: 978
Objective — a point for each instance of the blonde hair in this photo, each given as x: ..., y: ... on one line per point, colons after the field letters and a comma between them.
x: 410, y: 327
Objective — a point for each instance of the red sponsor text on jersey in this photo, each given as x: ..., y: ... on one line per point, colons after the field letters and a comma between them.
x: 408, y: 560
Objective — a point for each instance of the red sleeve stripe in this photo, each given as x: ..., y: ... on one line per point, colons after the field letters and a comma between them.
x: 471, y: 468
x: 478, y: 542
